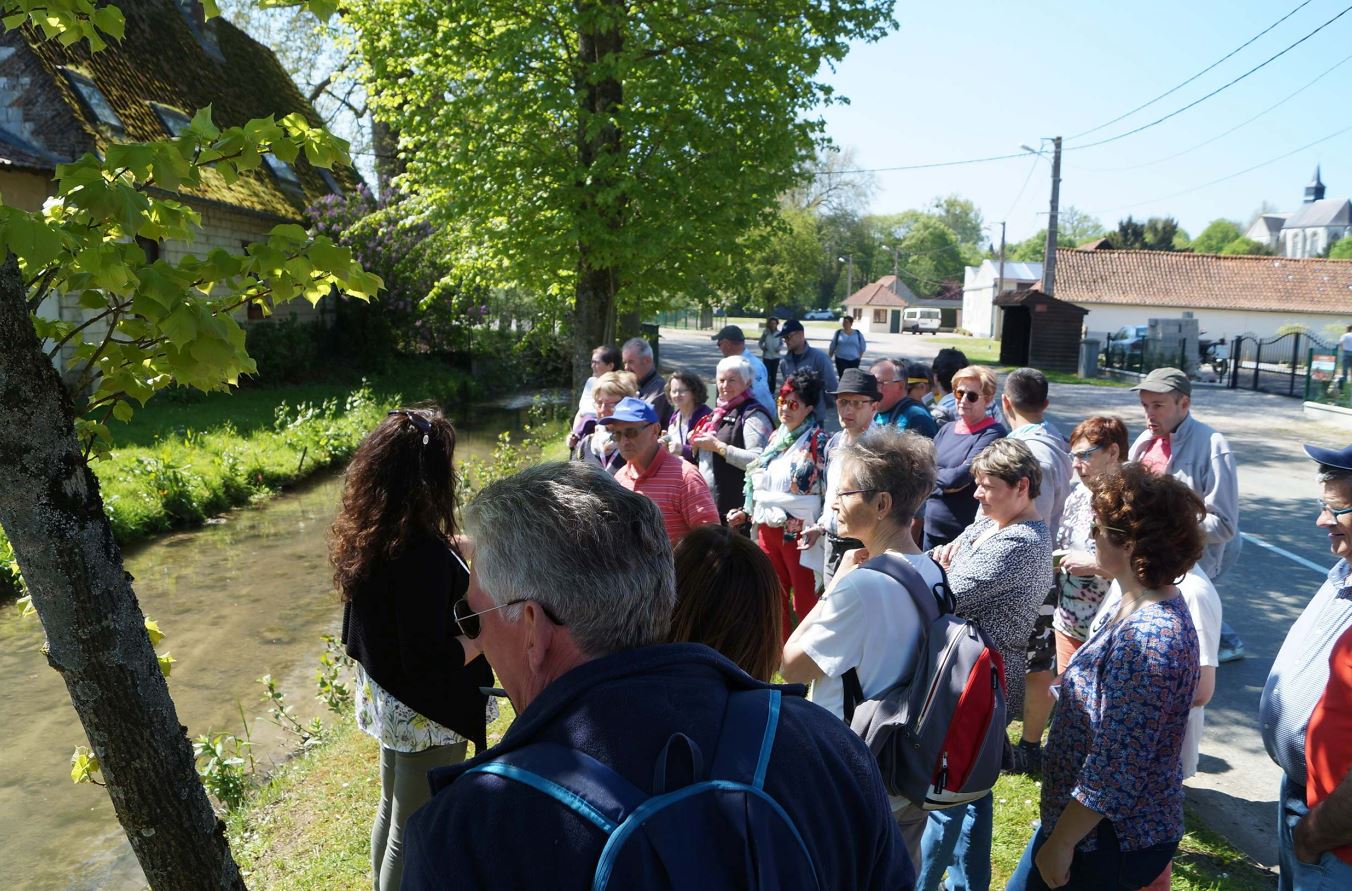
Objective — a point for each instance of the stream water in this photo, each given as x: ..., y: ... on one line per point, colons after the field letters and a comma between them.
x: 236, y: 599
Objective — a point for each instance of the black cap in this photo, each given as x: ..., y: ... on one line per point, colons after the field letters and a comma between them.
x: 858, y: 383
x: 730, y: 332
x: 1339, y: 458
x: 791, y: 326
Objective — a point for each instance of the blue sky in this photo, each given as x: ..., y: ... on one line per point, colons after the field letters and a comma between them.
x: 971, y: 79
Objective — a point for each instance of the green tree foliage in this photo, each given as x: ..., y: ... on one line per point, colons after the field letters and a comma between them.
x: 930, y: 256
x: 1032, y: 249
x: 609, y: 154
x: 1216, y: 236
x: 962, y: 216
x: 1074, y: 227
x: 1341, y: 249
x: 783, y: 266
x: 1155, y: 234
x: 1244, y: 245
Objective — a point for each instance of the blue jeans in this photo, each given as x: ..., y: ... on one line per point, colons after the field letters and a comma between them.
x: 1106, y: 867
x: 958, y: 839
x: 1328, y: 874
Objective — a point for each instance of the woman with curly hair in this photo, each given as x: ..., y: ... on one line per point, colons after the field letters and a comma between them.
x: 1112, y: 791
x: 783, y: 490
x: 397, y: 566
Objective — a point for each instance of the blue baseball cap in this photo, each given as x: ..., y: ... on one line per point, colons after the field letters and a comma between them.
x: 631, y: 408
x: 1339, y: 458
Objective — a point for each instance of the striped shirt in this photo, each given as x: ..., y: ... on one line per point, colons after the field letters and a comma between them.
x: 678, y: 490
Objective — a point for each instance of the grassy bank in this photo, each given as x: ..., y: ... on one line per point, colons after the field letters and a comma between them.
x: 309, y: 827
x: 187, y: 456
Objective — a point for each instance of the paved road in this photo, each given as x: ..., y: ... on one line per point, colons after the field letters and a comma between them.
x: 1236, y: 786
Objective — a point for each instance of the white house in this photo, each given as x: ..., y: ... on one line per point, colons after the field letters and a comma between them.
x: 877, y: 307
x: 1229, y: 295
x: 1307, y: 231
x: 982, y: 284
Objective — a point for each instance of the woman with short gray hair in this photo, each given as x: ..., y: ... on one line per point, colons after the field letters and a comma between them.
x: 732, y: 436
x: 999, y: 570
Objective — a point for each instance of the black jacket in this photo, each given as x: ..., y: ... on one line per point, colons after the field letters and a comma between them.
x: 398, y: 625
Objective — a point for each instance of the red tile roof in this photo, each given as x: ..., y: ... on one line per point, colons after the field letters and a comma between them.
x: 880, y: 293
x: 1204, y: 281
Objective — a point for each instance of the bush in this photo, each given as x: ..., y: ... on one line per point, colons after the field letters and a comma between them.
x: 285, y: 349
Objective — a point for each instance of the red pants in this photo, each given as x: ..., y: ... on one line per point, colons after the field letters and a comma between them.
x: 801, y: 580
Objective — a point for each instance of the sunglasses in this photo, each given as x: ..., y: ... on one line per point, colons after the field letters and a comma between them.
x: 790, y: 403
x: 1095, y: 527
x: 1084, y: 454
x: 969, y: 395
x: 467, y: 620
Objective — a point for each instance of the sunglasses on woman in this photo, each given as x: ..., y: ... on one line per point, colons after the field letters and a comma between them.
x: 969, y: 395
x: 790, y: 403
x: 467, y: 620
x: 1094, y: 529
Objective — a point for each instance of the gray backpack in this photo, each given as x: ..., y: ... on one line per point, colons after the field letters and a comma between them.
x: 938, y: 734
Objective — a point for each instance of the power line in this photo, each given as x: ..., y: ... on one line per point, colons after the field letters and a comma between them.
x: 1230, y: 176
x: 1219, y: 89
x: 1244, y: 123
x: 1022, y: 188
x: 923, y: 166
x: 1178, y: 87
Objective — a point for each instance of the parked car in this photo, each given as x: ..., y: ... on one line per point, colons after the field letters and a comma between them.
x: 918, y: 319
x: 1126, y: 345
x: 819, y: 315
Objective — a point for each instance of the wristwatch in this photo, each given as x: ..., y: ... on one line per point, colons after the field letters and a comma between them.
x: 722, y: 449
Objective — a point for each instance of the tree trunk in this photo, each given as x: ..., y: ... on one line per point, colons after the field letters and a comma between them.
x: 52, y: 512
x: 599, y: 150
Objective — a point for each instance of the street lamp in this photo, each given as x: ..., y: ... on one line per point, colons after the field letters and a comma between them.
x: 849, y: 274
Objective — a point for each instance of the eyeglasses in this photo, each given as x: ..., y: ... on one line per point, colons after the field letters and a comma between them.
x: 1084, y: 454
x: 969, y: 395
x: 629, y: 432
x: 855, y: 492
x: 674, y: 393
x: 1094, y: 529
x: 468, y: 621
x: 606, y: 403
x: 1335, y: 512
x: 790, y: 403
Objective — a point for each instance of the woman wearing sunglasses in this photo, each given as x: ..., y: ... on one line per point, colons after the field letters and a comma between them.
x: 1112, y: 790
x: 783, y: 491
x: 952, y: 507
x: 395, y: 564
x: 1097, y: 445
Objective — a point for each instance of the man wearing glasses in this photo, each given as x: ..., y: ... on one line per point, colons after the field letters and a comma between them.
x: 570, y: 597
x: 904, y: 386
x: 1306, y: 709
x: 674, y: 485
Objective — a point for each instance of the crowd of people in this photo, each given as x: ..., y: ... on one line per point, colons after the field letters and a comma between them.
x: 637, y: 602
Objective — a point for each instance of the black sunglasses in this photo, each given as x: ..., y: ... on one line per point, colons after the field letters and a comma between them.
x: 468, y: 620
x: 969, y: 395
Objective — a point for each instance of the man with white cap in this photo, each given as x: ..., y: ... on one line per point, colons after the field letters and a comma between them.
x: 1176, y: 443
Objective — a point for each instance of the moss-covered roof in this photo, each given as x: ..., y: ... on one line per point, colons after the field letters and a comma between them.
x: 160, y: 60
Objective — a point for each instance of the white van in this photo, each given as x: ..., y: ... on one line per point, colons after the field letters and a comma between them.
x: 919, y: 319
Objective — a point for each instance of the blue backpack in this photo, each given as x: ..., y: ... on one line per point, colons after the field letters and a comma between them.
x: 719, y: 831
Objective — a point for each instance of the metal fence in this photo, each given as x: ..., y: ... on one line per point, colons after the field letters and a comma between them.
x: 1280, y: 365
x: 1143, y: 356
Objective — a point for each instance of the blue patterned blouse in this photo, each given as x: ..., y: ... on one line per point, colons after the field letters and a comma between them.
x: 1118, y: 732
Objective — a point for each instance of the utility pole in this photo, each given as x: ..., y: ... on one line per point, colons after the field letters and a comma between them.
x: 896, y: 273
x: 999, y: 282
x: 849, y: 274
x: 1049, y: 260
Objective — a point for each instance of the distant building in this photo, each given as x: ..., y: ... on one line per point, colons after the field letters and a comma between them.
x: 982, y: 284
x: 877, y: 306
x: 1308, y: 231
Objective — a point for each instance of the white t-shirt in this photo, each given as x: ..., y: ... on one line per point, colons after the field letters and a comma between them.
x: 868, y: 623
x: 1204, y: 606
x: 1345, y: 342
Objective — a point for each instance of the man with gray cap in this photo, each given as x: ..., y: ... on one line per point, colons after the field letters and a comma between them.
x: 732, y: 342
x: 800, y: 355
x: 1176, y: 443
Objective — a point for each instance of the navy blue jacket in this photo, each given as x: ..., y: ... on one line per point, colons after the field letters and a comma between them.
x: 483, y: 831
x: 948, y: 513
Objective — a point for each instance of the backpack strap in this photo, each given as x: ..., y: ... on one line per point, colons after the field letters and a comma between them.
x: 900, y: 570
x: 574, y: 779
x: 748, y: 736
x: 853, y: 692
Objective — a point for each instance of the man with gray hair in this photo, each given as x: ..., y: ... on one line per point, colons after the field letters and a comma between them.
x: 637, y: 355
x: 570, y: 598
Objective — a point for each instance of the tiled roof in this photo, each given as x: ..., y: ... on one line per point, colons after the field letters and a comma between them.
x: 17, y: 154
x: 160, y: 60
x: 1204, y: 281
x: 880, y: 293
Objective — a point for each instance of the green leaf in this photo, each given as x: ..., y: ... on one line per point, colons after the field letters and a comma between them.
x: 109, y: 20
x: 153, y: 630
x: 122, y: 411
x: 210, y: 9
x: 83, y: 765
x: 166, y: 664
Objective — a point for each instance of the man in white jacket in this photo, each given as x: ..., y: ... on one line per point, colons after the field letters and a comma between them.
x: 1176, y: 443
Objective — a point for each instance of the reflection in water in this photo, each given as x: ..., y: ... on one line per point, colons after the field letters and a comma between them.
x: 236, y: 600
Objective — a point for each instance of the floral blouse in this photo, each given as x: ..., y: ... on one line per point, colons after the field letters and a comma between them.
x: 398, y: 727
x: 1117, y: 734
x: 1079, y: 596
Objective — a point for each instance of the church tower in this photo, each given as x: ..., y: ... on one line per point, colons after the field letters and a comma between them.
x: 1315, y: 190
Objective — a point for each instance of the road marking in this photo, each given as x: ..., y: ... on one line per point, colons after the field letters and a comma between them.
x: 1322, y: 570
